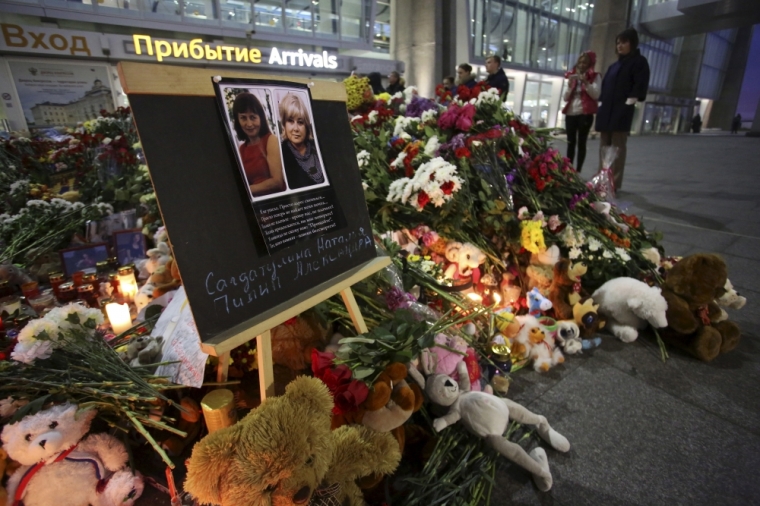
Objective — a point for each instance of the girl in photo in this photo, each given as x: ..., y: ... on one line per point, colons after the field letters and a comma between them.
x: 299, y: 151
x: 258, y: 153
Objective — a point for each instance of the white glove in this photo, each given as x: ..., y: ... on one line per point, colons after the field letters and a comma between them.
x: 631, y: 101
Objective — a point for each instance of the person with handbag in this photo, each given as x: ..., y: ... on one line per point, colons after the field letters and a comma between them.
x: 583, y: 89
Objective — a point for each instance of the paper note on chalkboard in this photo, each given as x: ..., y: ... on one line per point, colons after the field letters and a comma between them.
x: 271, y: 129
x: 181, y: 344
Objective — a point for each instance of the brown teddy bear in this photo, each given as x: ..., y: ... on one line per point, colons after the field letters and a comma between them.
x: 389, y: 404
x: 284, y: 453
x: 565, y: 290
x: 690, y: 289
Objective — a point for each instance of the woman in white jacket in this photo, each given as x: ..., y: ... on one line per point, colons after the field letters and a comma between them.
x: 583, y: 88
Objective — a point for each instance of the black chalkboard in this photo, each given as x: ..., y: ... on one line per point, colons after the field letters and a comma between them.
x: 229, y: 277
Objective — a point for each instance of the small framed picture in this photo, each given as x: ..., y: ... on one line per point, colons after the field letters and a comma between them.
x: 129, y: 245
x: 83, y: 257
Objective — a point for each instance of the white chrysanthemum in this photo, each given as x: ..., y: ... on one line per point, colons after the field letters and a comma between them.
x: 372, y: 117
x: 396, y: 189
x: 107, y: 141
x: 432, y: 145
x: 363, y: 158
x: 594, y: 244
x: 608, y: 254
x: 622, y: 254
x: 28, y: 353
x: 409, y: 93
x: 399, y: 161
x: 397, y: 95
x: 60, y: 315
x: 37, y: 203
x: 574, y: 253
x: 427, y: 265
x: 36, y: 328
x: 365, y: 186
x: 354, y: 118
x: 402, y: 123
x: 429, y: 116
x: 19, y: 186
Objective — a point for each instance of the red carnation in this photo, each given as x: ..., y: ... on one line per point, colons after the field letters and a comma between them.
x: 447, y: 187
x: 462, y: 153
x: 422, y: 199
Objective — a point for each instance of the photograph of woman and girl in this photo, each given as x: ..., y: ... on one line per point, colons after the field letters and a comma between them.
x: 277, y: 150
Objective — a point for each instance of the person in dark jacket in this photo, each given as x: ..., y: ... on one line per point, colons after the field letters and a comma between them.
x: 394, y: 83
x: 736, y: 123
x: 625, y: 83
x: 376, y: 82
x: 465, y: 77
x: 496, y: 76
x: 696, y: 124
x: 299, y: 151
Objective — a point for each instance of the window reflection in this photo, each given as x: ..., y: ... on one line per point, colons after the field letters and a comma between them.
x: 326, y: 18
x: 236, y: 11
x: 200, y: 9
x: 354, y: 19
x: 298, y: 18
x: 267, y: 15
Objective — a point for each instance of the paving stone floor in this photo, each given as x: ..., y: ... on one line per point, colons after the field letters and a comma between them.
x: 644, y: 432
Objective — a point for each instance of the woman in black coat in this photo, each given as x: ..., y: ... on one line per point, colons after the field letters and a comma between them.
x: 625, y: 83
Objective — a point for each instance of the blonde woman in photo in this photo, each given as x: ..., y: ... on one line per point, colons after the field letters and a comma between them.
x: 299, y: 151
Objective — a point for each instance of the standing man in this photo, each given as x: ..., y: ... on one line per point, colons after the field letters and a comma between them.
x: 496, y: 76
x: 465, y: 77
x: 394, y: 83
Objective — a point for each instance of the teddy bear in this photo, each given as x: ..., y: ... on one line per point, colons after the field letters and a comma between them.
x: 535, y: 343
x: 537, y: 303
x: 690, y: 288
x: 293, y: 341
x: 465, y: 260
x: 447, y: 353
x: 157, y: 257
x: 190, y: 422
x: 163, y: 280
x: 487, y: 416
x: 568, y: 336
x: 60, y: 466
x: 284, y: 453
x: 143, y: 350
x: 389, y: 404
x: 586, y: 316
x: 565, y: 290
x: 540, y: 271
x: 629, y: 305
x: 731, y: 299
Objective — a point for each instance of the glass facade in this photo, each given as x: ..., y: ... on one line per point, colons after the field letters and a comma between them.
x: 543, y: 35
x: 344, y: 21
x: 663, y: 58
x: 382, y: 36
x: 718, y: 47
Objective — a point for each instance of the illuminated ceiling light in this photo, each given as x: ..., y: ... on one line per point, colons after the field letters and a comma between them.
x: 567, y: 9
x: 572, y: 10
x: 543, y: 49
x: 591, y: 5
x: 548, y: 59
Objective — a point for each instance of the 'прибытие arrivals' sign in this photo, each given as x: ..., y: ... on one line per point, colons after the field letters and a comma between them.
x: 260, y: 191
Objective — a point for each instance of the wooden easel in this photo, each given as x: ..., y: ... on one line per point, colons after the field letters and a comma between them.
x: 262, y: 330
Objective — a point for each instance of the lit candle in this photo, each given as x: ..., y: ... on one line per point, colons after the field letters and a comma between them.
x: 127, y: 283
x: 118, y: 315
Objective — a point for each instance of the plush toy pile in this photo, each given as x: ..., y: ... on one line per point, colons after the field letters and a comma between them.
x: 503, y: 259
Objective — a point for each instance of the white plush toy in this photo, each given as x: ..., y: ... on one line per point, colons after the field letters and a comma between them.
x: 487, y: 416
x: 157, y: 257
x: 731, y: 299
x: 60, y: 468
x: 629, y: 305
x: 534, y: 342
x: 465, y: 259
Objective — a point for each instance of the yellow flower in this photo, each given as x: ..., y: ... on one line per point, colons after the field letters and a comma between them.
x: 532, y: 236
x: 385, y: 96
x: 413, y: 258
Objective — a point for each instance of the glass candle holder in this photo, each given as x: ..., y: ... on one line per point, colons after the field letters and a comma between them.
x: 10, y: 304
x: 30, y: 290
x: 86, y: 293
x: 56, y: 280
x: 127, y: 283
x: 67, y: 292
x: 44, y: 303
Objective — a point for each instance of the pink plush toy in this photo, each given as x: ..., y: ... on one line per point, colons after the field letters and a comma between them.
x: 441, y: 360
